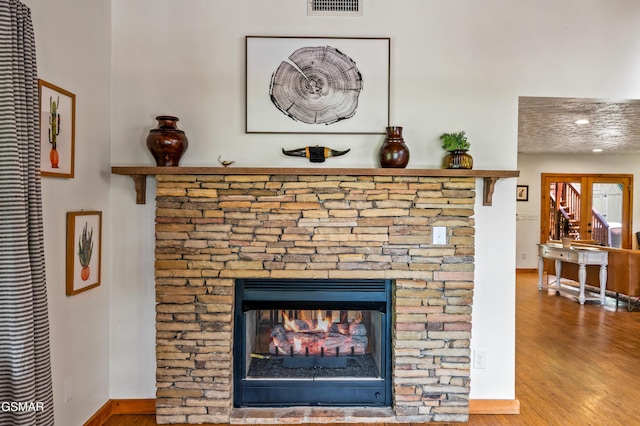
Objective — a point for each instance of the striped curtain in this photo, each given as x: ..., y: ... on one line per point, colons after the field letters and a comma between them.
x: 26, y: 394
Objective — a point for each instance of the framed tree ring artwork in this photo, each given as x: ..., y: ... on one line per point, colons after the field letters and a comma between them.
x: 317, y: 85
x: 57, y: 130
x: 84, y: 250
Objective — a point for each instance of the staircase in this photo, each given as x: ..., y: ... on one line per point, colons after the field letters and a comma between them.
x: 569, y: 209
x: 565, y: 215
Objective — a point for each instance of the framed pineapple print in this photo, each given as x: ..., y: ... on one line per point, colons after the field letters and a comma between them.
x: 84, y: 242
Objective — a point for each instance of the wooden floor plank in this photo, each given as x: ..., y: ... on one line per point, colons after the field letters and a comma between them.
x: 575, y: 365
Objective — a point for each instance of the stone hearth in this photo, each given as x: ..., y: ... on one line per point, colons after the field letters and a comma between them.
x: 212, y: 229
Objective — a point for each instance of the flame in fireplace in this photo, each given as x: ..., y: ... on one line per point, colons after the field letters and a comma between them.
x: 323, y: 324
x: 289, y: 325
x: 304, y: 325
x: 314, y: 333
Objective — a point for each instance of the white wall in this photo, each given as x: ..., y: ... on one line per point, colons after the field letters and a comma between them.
x: 73, y: 51
x: 532, y: 166
x: 454, y: 66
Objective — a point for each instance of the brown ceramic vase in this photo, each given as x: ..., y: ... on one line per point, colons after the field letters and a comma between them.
x: 166, y: 142
x: 394, y: 152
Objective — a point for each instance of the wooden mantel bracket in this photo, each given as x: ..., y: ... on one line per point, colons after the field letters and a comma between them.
x: 487, y: 196
x: 139, y: 174
x: 140, y: 182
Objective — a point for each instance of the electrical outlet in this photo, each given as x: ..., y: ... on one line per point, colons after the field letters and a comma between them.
x: 480, y: 359
x: 524, y: 255
x: 439, y: 235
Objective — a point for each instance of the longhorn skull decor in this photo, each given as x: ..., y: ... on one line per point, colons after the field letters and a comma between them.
x: 315, y: 154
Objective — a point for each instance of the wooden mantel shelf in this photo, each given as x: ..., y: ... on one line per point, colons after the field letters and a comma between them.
x: 139, y: 174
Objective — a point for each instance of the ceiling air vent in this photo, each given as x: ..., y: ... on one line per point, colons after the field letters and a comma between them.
x: 334, y: 7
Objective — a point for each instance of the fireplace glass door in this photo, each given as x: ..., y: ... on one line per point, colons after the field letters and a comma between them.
x: 312, y: 342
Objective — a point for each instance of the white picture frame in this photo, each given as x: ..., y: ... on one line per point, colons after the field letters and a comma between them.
x: 264, y: 54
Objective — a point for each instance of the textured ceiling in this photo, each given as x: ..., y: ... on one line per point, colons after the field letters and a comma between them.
x: 547, y: 125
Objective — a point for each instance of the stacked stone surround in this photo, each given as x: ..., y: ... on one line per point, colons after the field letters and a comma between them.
x: 212, y: 229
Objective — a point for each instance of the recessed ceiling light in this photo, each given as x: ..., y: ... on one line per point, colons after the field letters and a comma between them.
x: 582, y: 121
x: 597, y: 150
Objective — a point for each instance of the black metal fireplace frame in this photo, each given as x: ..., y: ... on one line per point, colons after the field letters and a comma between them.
x: 311, y: 294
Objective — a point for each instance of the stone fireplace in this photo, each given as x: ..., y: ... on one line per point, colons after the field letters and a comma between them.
x: 212, y: 229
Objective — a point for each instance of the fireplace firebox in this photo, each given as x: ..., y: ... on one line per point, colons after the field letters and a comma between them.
x: 312, y: 343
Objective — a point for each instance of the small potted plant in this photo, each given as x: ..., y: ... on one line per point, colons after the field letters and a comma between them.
x: 457, y: 145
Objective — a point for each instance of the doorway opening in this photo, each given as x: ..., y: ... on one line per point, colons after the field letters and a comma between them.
x: 593, y: 208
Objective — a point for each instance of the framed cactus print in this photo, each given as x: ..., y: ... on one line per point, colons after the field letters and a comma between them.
x: 84, y: 250
x: 57, y: 130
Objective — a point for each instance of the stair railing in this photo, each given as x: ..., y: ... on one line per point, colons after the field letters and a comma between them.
x: 572, y: 201
x: 599, y: 229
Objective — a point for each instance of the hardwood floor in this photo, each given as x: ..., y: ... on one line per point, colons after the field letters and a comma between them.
x: 575, y: 365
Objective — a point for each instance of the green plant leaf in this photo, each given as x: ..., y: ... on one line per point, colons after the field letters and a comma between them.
x: 455, y: 141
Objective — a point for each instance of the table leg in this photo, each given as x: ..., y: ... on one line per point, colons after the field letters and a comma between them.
x: 603, y: 283
x: 540, y: 271
x: 582, y: 278
x: 558, y: 273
